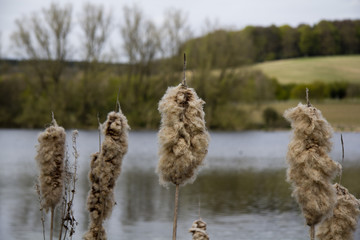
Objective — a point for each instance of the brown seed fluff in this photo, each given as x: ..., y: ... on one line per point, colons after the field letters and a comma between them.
x: 113, y: 149
x: 198, y: 230
x: 310, y: 169
x: 50, y: 158
x: 96, y: 232
x: 105, y: 169
x: 183, y: 136
x: 342, y: 224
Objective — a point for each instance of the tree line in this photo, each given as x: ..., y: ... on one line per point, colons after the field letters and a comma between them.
x: 258, y: 44
x: 47, y: 80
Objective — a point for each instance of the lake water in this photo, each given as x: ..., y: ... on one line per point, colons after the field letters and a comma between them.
x: 242, y: 189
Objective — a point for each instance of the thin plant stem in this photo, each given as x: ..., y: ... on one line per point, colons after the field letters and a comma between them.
x: 307, y: 98
x: 37, y: 187
x: 63, y: 214
x: 99, y: 233
x: 199, y: 208
x: 52, y: 223
x: 176, y: 211
x: 312, y: 232
x: 99, y: 133
x: 342, y: 156
x: 184, y: 72
x: 117, y: 105
x: 65, y: 196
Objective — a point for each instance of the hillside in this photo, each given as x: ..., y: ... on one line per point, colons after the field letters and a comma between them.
x: 304, y: 70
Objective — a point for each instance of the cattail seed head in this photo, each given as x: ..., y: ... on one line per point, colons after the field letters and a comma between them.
x: 342, y: 224
x: 96, y: 232
x: 113, y: 149
x: 105, y: 168
x: 50, y: 158
x: 183, y: 136
x: 198, y: 230
x: 310, y: 169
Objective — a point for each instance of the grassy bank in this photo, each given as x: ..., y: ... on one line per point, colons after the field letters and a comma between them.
x: 306, y: 70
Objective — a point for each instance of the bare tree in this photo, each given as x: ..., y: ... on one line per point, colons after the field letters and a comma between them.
x: 141, y: 40
x: 95, y: 24
x: 43, y: 39
x: 175, y: 32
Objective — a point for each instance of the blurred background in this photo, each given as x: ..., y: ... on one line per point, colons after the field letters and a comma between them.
x: 249, y: 61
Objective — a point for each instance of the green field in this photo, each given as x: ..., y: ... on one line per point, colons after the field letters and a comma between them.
x: 305, y: 70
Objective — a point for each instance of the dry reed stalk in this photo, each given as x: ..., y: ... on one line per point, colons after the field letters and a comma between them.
x: 37, y: 188
x: 50, y: 159
x: 105, y: 169
x: 342, y: 224
x: 310, y: 169
x: 68, y: 221
x: 198, y: 230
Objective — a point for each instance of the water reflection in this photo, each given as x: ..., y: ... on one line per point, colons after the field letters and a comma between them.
x: 237, y: 202
x: 226, y: 197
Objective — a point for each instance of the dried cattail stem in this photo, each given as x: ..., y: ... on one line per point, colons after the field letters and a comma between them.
x: 176, y: 211
x: 198, y: 230
x: 342, y: 224
x: 310, y: 169
x: 37, y: 188
x: 312, y: 232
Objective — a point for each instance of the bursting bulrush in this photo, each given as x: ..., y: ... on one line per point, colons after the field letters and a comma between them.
x: 183, y: 136
x: 342, y: 224
x: 310, y: 169
x: 50, y: 158
x: 198, y: 230
x: 105, y: 169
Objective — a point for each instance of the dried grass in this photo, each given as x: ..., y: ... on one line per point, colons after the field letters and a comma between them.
x: 310, y: 169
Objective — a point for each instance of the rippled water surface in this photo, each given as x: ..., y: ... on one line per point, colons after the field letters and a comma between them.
x: 242, y: 189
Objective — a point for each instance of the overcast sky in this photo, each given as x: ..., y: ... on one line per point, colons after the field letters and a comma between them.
x: 228, y: 13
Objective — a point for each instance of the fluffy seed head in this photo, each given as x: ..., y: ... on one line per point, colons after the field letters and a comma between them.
x: 310, y: 169
x: 105, y: 168
x: 198, y: 230
x: 342, y: 224
x: 183, y: 136
x: 96, y: 232
x: 50, y: 158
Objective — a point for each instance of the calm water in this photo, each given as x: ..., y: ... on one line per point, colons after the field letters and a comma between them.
x: 242, y: 189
